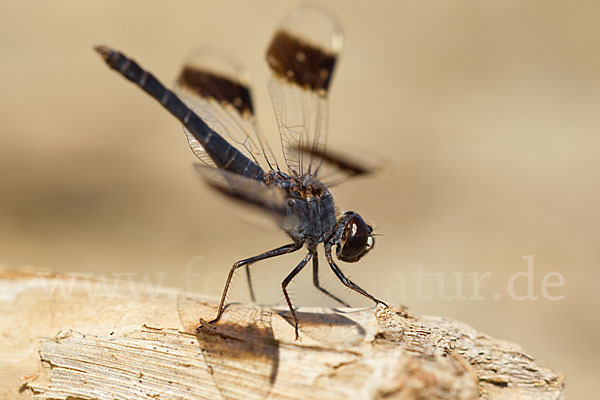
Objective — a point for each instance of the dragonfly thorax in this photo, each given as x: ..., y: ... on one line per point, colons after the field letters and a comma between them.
x: 310, y: 209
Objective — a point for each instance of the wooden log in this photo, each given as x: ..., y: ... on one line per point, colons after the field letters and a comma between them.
x: 75, y: 337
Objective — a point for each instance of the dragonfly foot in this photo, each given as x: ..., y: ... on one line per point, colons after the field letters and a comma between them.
x: 377, y: 302
x: 206, y: 324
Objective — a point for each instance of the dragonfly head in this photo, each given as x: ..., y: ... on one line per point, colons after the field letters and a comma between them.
x: 356, y: 239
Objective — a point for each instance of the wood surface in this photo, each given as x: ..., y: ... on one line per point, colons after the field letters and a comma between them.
x: 66, y: 337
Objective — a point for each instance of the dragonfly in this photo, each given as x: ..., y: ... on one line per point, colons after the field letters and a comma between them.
x: 212, y: 99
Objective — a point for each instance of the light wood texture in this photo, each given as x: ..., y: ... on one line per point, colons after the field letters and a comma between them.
x: 90, y: 339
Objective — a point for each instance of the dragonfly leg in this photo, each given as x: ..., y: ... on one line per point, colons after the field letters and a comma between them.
x: 288, y: 248
x: 249, y: 280
x: 318, y: 286
x: 287, y: 281
x: 347, y: 282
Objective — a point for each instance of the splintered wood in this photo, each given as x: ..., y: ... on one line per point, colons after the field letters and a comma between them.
x: 89, y: 345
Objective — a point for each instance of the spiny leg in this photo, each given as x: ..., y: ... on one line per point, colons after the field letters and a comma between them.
x: 316, y: 281
x: 288, y: 248
x: 249, y: 280
x: 286, y: 282
x: 347, y: 282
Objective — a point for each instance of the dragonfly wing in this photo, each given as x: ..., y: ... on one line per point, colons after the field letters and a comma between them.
x: 269, y: 198
x: 302, y: 57
x: 216, y: 87
x: 337, y: 167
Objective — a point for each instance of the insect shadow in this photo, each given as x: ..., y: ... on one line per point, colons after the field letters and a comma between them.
x: 242, y: 353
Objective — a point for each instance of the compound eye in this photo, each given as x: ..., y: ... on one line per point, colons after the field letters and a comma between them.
x: 356, y: 239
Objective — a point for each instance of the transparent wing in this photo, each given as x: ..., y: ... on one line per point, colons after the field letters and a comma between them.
x: 302, y: 57
x: 337, y: 167
x: 268, y: 198
x: 216, y: 87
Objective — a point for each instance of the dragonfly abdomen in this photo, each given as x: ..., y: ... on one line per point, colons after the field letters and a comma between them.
x: 222, y: 153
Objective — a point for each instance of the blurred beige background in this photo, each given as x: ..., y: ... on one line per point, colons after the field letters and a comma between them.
x: 486, y: 113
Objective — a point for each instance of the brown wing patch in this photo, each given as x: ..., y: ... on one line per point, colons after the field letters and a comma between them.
x: 299, y: 62
x: 210, y: 85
